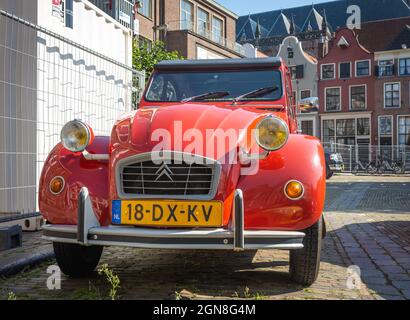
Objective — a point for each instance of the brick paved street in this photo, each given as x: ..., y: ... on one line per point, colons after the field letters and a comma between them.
x: 368, y: 226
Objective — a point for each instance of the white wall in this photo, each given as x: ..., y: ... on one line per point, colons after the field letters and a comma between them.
x: 48, y: 81
x: 76, y: 84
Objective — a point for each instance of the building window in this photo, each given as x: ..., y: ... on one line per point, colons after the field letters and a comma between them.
x: 404, y: 130
x: 145, y: 43
x: 363, y: 127
x: 305, y: 94
x: 290, y: 53
x: 404, y: 67
x: 146, y: 8
x: 307, y: 127
x: 328, y: 71
x: 385, y: 125
x: 293, y: 72
x: 297, y: 72
x: 358, y: 97
x: 386, y: 68
x: 300, y: 71
x: 346, y: 131
x: 328, y: 131
x: 386, y: 136
x: 217, y: 30
x: 345, y: 70
x: 392, y: 95
x: 187, y: 17
x: 362, y: 68
x: 203, y: 22
x: 333, y: 98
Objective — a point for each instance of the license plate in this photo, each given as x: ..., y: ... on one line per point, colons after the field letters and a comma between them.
x: 167, y: 213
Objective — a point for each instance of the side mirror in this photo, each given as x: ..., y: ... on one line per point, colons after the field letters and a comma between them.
x: 309, y: 104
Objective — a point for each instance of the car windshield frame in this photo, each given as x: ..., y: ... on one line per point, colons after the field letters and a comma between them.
x: 230, y: 99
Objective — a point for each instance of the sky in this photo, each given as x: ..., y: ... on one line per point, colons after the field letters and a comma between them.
x: 244, y: 7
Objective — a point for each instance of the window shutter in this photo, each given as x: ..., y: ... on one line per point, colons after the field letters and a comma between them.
x: 376, y: 71
x: 299, y: 72
x: 393, y: 68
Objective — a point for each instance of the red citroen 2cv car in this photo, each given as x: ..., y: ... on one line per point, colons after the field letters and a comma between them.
x: 212, y: 159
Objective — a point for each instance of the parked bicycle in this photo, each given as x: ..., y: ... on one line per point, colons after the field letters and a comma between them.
x: 368, y: 168
x: 397, y: 167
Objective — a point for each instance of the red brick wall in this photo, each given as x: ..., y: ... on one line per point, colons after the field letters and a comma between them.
x: 186, y: 45
x: 351, y: 54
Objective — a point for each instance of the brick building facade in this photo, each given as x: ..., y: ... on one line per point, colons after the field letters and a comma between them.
x: 392, y: 80
x: 346, y: 90
x: 364, y: 88
x: 198, y: 29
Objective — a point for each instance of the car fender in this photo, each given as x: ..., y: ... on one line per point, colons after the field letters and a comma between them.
x: 266, y: 205
x: 77, y: 173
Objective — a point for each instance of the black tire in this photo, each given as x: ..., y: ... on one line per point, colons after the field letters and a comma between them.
x: 75, y: 260
x: 329, y: 172
x: 305, y: 263
x: 371, y: 169
x: 355, y: 169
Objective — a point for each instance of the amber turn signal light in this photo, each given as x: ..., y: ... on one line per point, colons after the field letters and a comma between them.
x: 294, y: 190
x: 57, y: 185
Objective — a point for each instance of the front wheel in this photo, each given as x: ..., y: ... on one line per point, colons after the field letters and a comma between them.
x: 75, y: 260
x: 305, y: 263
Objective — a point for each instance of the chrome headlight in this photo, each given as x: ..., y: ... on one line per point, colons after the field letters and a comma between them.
x: 76, y: 136
x: 271, y: 133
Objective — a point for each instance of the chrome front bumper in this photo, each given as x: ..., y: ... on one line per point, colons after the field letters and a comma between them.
x: 89, y: 232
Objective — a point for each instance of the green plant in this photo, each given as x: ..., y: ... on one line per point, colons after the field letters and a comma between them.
x: 145, y: 57
x: 178, y: 295
x: 112, y: 279
x: 11, y: 296
x: 247, y: 293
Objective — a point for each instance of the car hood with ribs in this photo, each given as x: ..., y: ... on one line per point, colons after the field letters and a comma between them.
x: 143, y: 130
x: 191, y: 128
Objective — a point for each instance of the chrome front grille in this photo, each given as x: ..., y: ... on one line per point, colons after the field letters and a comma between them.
x: 141, y: 177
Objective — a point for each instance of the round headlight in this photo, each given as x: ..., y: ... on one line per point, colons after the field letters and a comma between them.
x: 76, y: 136
x: 271, y: 133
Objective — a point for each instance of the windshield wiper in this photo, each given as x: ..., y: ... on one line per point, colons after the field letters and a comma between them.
x: 209, y: 95
x: 256, y: 93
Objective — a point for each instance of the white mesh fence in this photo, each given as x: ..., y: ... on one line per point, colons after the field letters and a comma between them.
x: 45, y: 81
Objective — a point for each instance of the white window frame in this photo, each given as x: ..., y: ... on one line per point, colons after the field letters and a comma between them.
x: 340, y: 98
x: 370, y: 68
x: 334, y: 71
x: 398, y: 67
x: 384, y: 95
x: 213, y: 18
x: 345, y: 116
x: 398, y: 127
x: 350, y: 63
x: 378, y: 127
x: 192, y: 22
x: 350, y: 96
x: 378, y: 64
x: 300, y: 93
x: 208, y: 23
x: 151, y: 13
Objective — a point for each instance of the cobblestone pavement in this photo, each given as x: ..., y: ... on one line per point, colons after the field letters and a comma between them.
x: 368, y: 226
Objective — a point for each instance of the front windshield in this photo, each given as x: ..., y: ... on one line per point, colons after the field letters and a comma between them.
x: 176, y: 86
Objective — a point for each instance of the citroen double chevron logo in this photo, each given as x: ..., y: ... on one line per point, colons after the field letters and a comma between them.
x: 164, y: 171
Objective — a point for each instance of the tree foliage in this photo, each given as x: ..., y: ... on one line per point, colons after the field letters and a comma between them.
x: 146, y: 57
